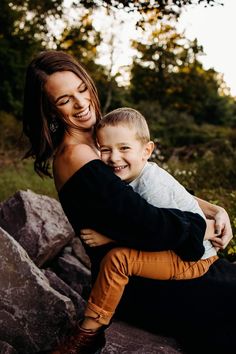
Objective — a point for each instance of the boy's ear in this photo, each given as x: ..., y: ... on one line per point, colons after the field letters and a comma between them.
x: 148, y: 149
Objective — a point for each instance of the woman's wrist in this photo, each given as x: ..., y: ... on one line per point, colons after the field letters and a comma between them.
x: 215, y: 210
x: 210, y: 210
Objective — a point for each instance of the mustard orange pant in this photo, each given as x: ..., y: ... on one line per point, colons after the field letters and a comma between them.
x: 121, y: 263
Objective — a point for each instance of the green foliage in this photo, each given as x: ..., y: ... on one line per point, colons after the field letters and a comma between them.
x: 25, y: 18
x: 204, y: 169
x: 197, y: 92
x: 81, y: 41
x: 170, y: 127
x: 212, y: 183
x: 21, y: 176
x: 14, y: 54
x: 10, y: 133
x: 23, y: 31
x: 15, y: 173
x: 161, y: 55
x: 167, y: 70
x: 178, y: 129
x: 161, y: 7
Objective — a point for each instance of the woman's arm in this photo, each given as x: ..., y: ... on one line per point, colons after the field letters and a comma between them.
x: 95, y: 198
x: 223, y: 228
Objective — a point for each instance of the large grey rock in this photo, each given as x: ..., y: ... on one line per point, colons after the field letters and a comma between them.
x: 6, y: 348
x: 74, y: 273
x: 33, y: 316
x: 79, y: 252
x: 38, y: 223
x: 64, y: 289
x: 125, y: 339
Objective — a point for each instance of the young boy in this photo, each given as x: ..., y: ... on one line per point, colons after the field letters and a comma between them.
x: 124, y: 140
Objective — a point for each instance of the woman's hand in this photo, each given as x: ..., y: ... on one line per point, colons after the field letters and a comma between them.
x: 93, y: 238
x: 223, y: 229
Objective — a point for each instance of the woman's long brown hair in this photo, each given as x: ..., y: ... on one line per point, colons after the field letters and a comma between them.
x: 39, y: 111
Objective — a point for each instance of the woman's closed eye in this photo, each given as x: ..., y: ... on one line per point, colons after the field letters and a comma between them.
x: 82, y: 88
x: 63, y: 101
x: 66, y: 99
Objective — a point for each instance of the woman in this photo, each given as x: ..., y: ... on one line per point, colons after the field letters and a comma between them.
x: 61, y: 108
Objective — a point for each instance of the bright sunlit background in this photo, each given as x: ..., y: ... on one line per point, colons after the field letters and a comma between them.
x: 215, y: 29
x: 213, y: 26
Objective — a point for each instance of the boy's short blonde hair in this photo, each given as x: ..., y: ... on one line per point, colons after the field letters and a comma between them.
x: 127, y: 117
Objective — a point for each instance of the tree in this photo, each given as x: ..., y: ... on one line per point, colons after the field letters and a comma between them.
x: 81, y: 40
x: 197, y: 92
x: 99, y: 49
x: 167, y: 69
x: 161, y: 54
x: 23, y: 31
x: 161, y: 7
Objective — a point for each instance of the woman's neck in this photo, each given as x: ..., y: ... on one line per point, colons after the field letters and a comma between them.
x: 79, y: 137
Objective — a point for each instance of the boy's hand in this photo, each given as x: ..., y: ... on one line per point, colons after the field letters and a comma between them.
x: 210, y: 232
x: 93, y: 238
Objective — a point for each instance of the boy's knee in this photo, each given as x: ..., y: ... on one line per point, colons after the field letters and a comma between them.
x: 116, y: 257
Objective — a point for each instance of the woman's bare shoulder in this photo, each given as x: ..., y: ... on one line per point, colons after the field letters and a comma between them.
x: 70, y: 159
x: 78, y: 155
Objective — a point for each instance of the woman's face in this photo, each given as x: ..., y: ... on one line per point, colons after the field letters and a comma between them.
x: 72, y: 98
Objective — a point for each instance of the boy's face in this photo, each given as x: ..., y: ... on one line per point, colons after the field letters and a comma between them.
x: 122, y: 151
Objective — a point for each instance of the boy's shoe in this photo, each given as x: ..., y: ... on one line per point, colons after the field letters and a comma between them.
x: 83, y: 342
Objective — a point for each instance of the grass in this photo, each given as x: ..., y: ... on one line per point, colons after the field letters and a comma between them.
x: 21, y: 176
x: 17, y: 174
x: 213, y: 182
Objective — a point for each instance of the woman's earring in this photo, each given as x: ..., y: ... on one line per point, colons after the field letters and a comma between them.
x: 53, y: 126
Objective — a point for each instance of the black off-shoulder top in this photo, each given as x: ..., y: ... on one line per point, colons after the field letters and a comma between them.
x: 94, y: 197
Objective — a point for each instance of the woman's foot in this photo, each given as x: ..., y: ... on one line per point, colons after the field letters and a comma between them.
x: 83, y: 342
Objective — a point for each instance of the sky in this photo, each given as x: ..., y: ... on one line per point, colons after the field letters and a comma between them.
x: 215, y: 29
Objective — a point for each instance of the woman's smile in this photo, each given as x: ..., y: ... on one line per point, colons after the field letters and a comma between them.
x: 83, y: 115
